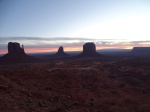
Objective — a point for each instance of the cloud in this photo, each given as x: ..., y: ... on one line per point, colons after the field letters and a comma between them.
x: 3, y: 46
x: 71, y: 41
x: 40, y: 42
x: 2, y: 39
x: 123, y: 43
x: 6, y: 39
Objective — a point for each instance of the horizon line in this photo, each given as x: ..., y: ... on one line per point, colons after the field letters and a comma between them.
x: 54, y: 51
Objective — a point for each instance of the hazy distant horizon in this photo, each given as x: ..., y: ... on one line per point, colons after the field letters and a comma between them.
x: 38, y: 44
x: 78, y: 51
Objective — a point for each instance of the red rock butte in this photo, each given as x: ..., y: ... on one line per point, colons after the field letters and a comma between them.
x: 14, y: 48
x: 15, y: 53
x: 89, y: 50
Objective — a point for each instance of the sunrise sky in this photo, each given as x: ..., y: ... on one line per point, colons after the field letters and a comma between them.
x: 44, y: 25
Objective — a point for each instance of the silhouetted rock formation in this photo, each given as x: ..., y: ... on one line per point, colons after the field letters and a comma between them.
x: 60, y: 50
x: 61, y: 53
x: 15, y: 53
x: 141, y: 50
x: 89, y: 50
x: 14, y: 48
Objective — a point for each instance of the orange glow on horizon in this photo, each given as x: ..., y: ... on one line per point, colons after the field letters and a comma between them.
x: 3, y: 52
x: 113, y: 47
x: 35, y: 50
x: 75, y: 48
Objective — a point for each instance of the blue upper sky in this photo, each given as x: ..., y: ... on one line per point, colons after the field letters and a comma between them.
x: 127, y: 20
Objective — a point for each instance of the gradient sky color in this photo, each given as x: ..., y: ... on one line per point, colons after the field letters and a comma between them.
x: 48, y: 24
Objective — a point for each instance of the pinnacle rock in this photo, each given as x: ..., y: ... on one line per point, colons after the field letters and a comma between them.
x: 61, y: 53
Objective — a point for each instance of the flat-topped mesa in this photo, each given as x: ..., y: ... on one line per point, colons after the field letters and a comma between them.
x: 14, y: 48
x: 89, y: 50
x: 61, y: 53
x: 141, y: 50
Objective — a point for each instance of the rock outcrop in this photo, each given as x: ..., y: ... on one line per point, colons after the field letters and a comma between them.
x: 14, y: 48
x: 15, y: 53
x: 89, y: 50
x: 61, y: 53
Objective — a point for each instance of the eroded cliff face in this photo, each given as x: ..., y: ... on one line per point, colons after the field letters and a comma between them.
x: 15, y: 53
x: 14, y: 48
x: 89, y: 50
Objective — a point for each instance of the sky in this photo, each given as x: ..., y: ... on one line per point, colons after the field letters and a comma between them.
x: 44, y: 25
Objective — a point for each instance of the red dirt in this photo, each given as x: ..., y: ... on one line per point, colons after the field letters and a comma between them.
x: 74, y: 86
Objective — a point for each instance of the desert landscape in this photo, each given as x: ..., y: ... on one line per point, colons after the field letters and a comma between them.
x: 74, y: 55
x: 83, y: 83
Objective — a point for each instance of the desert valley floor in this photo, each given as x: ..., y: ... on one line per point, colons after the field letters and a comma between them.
x: 75, y: 85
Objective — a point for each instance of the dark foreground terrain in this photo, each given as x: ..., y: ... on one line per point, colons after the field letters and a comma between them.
x: 78, y: 85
